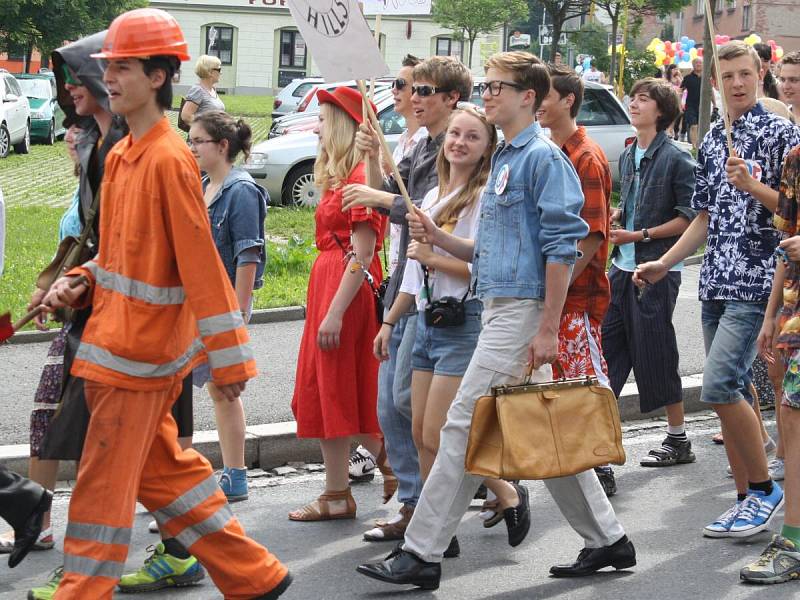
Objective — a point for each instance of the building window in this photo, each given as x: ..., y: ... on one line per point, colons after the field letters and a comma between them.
x: 730, y: 4
x: 219, y: 43
x: 293, y: 50
x: 449, y: 47
x: 745, y: 17
x: 700, y: 7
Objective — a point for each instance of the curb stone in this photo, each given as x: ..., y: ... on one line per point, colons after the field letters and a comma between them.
x: 275, y: 447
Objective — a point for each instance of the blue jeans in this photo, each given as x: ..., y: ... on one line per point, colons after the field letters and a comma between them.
x: 730, y: 331
x: 394, y: 410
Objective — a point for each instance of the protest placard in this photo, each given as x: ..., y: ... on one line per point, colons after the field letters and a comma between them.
x: 339, y: 39
x: 397, y: 7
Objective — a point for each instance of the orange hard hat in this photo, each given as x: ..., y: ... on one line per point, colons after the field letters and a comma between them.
x: 143, y: 33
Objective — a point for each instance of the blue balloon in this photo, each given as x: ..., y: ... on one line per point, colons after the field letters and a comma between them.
x: 684, y: 40
x: 688, y: 44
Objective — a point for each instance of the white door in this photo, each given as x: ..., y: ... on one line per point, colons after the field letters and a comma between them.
x: 15, y: 111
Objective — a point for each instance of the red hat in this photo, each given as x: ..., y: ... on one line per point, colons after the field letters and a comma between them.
x: 348, y: 99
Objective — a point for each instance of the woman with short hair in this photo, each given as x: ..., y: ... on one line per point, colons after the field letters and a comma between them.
x: 202, y: 96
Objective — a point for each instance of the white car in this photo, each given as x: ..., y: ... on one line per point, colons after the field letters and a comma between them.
x: 289, y: 97
x: 15, y: 117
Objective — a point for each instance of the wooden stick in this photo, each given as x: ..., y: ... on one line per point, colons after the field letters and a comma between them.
x: 715, y: 57
x: 377, y: 126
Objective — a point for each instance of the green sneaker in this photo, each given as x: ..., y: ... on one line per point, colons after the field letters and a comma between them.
x: 779, y: 562
x: 48, y: 590
x: 162, y: 570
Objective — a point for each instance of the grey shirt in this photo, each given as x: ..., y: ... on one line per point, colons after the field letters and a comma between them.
x: 418, y: 171
x: 205, y: 101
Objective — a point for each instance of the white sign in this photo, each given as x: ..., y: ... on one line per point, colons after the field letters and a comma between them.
x: 519, y: 40
x: 397, y: 7
x: 339, y: 39
x: 546, y: 36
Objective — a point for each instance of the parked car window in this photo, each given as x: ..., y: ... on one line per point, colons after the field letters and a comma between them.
x: 302, y: 89
x: 12, y: 87
x: 598, y: 109
x: 36, y: 88
x: 392, y: 122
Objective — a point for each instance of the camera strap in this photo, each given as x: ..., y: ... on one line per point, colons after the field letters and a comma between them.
x: 428, y: 288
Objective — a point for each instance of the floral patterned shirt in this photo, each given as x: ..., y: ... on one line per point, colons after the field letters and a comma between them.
x: 739, y: 260
x: 787, y: 221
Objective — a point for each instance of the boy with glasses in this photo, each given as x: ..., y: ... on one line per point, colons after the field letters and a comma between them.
x: 522, y: 259
x: 438, y: 84
x: 734, y: 197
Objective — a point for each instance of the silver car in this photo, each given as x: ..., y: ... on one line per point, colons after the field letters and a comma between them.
x: 287, y: 161
x: 289, y: 98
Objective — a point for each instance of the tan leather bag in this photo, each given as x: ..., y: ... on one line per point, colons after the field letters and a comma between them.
x: 544, y: 430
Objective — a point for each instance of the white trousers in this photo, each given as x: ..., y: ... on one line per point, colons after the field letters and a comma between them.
x: 500, y: 358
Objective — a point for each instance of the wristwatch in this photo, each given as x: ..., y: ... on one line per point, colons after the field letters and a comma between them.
x: 646, y: 236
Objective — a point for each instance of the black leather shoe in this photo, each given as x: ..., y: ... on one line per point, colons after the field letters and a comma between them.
x: 26, y: 536
x: 278, y: 590
x: 453, y: 550
x: 518, y: 519
x: 620, y: 555
x: 404, y: 568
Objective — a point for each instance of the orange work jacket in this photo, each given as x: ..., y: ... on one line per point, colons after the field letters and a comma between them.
x: 162, y: 302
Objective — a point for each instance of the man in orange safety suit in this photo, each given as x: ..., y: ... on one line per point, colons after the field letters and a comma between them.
x: 162, y: 304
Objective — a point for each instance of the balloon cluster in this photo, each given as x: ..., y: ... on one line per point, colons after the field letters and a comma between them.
x: 680, y: 53
x: 752, y: 40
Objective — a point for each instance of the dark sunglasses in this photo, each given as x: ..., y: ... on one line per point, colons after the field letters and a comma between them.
x: 423, y: 91
x: 399, y: 83
x: 69, y: 75
x: 217, y: 69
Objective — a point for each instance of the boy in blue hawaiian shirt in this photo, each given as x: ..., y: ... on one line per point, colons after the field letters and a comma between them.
x: 735, y: 197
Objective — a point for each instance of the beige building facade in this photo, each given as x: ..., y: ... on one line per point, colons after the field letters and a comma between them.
x: 261, y: 49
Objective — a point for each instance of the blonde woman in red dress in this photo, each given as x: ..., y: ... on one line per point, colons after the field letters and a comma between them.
x: 335, y: 395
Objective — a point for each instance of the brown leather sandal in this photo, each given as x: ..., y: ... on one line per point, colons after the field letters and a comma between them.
x: 389, y: 480
x: 389, y: 532
x: 321, y: 511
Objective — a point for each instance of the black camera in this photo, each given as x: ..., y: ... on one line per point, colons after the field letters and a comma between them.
x: 445, y: 312
x: 382, y: 288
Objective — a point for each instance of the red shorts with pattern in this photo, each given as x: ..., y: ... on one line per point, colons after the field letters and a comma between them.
x: 579, y: 347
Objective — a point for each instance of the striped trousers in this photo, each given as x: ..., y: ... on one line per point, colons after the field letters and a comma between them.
x: 131, y: 451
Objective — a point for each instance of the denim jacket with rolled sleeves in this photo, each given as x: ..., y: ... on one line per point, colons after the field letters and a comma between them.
x: 533, y: 220
x: 237, y: 214
x: 666, y: 185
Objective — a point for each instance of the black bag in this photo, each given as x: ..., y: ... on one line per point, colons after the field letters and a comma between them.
x: 67, y: 431
x: 182, y: 125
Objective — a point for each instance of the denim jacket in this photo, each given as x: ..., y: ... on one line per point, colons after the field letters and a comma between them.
x: 237, y: 216
x: 666, y: 185
x: 532, y: 220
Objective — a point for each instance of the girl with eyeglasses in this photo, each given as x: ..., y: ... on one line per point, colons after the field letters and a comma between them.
x: 237, y: 207
x: 444, y: 344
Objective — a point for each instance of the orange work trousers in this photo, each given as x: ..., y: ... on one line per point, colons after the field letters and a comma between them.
x: 131, y: 451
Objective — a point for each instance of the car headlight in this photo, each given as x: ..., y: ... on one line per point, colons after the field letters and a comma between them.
x: 37, y: 115
x: 257, y: 159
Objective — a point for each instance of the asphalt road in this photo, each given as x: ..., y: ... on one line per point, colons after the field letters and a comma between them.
x: 663, y: 511
x: 267, y: 398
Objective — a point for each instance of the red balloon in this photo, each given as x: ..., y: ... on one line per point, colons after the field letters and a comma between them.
x: 700, y: 52
x: 667, y: 46
x: 677, y: 45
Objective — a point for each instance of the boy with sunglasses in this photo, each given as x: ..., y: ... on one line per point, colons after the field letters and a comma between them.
x: 522, y: 258
x: 439, y: 83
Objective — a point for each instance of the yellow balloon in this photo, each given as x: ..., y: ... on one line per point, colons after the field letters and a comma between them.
x: 779, y: 52
x: 693, y: 53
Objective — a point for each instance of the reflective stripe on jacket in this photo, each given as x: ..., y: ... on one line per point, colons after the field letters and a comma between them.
x: 162, y: 302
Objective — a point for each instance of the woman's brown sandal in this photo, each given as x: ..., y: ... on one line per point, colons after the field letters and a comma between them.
x: 320, y: 510
x: 389, y: 480
x: 493, y: 507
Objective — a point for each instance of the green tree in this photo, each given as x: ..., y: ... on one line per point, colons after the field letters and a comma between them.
x: 47, y: 25
x: 637, y: 9
x: 592, y: 39
x: 559, y: 12
x: 470, y: 18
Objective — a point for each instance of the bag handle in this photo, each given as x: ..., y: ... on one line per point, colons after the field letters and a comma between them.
x: 557, y: 368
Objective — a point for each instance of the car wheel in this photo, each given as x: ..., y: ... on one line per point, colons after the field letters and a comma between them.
x: 51, y: 135
x: 5, y: 141
x: 299, y: 189
x: 25, y: 145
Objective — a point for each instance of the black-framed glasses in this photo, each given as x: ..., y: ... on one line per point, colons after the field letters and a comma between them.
x: 423, y: 91
x: 399, y: 83
x: 200, y: 142
x: 495, y: 87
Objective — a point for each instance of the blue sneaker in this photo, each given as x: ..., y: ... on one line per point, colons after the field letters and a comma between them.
x: 722, y: 526
x: 757, y: 511
x: 234, y: 483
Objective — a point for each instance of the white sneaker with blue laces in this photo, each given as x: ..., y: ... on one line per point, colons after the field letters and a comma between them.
x: 722, y: 526
x: 756, y: 512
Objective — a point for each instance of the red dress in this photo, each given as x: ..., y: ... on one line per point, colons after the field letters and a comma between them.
x: 336, y: 391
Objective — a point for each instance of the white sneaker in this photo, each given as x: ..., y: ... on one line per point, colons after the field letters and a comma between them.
x: 777, y: 469
x: 153, y: 526
x: 362, y: 465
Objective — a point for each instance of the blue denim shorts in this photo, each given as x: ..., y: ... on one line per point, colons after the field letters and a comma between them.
x: 447, y: 350
x: 730, y: 331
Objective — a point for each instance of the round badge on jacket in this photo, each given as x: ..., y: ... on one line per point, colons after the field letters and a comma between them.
x: 502, y: 180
